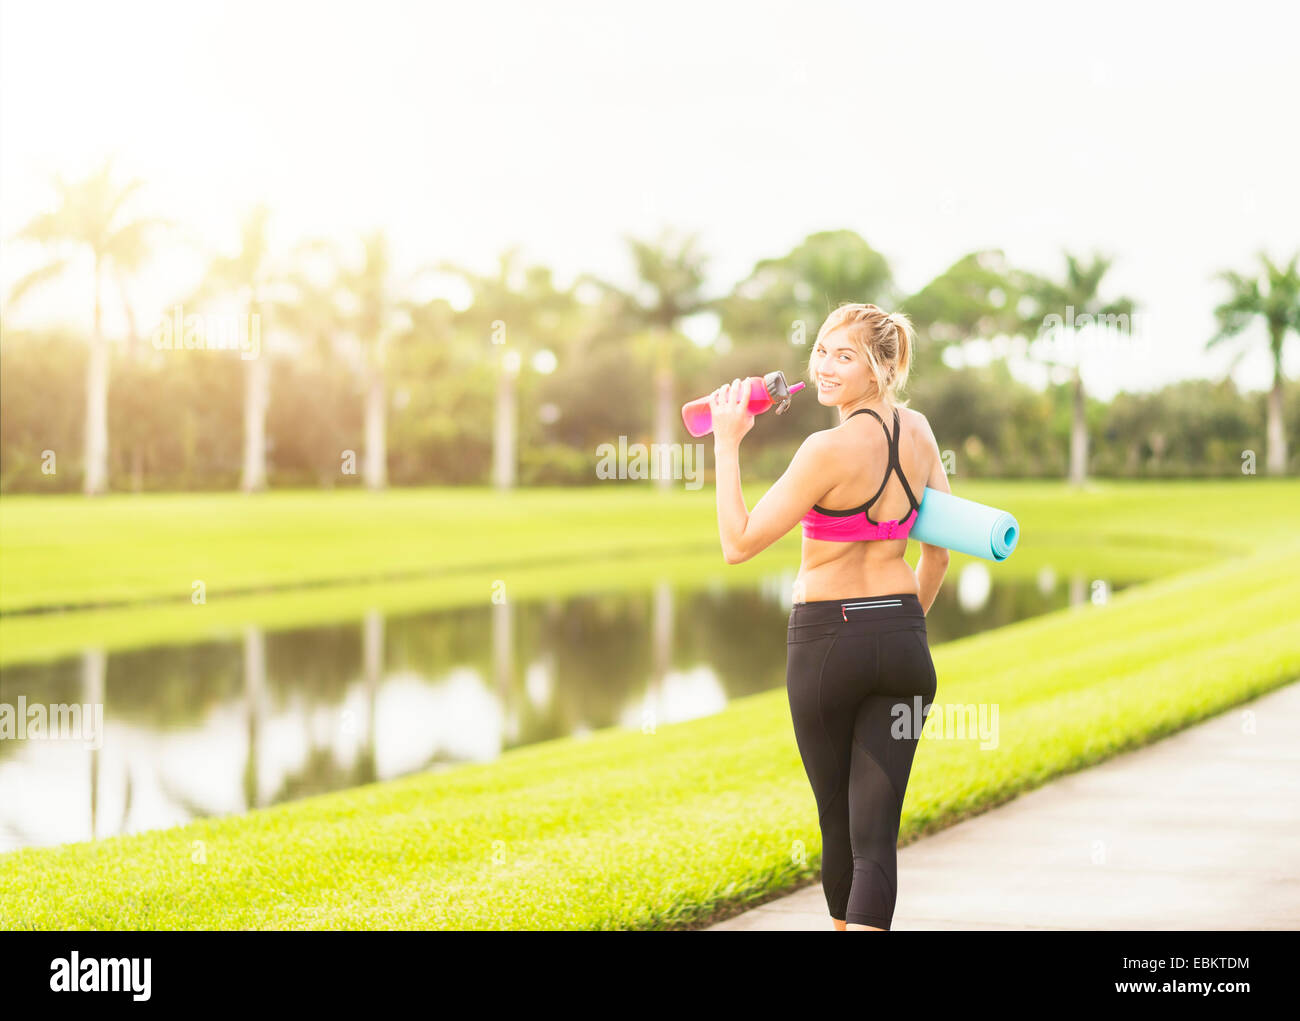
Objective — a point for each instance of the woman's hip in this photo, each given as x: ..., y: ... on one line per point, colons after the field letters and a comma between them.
x: 845, y: 649
x: 826, y: 618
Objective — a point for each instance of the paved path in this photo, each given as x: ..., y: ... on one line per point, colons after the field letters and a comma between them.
x: 1199, y: 831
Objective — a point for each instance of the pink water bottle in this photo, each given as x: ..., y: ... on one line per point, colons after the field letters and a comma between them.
x: 764, y: 392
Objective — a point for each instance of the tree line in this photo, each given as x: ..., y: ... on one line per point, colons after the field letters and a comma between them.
x: 337, y: 375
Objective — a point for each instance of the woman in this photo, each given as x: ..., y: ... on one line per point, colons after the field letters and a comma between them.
x: 857, y: 650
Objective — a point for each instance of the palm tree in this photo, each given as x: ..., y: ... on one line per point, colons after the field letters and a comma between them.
x: 309, y: 308
x: 803, y: 286
x: 250, y: 275
x: 1054, y: 306
x: 355, y: 311
x: 376, y: 314
x: 518, y: 311
x: 787, y: 298
x: 976, y: 297
x: 1277, y: 301
x: 671, y: 273
x: 89, y: 218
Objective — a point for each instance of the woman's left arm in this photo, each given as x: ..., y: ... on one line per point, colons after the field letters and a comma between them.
x: 743, y: 534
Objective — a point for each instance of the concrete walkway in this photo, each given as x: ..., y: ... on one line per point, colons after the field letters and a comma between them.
x: 1198, y: 831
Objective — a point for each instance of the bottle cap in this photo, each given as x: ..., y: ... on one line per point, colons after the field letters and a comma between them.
x: 779, y: 390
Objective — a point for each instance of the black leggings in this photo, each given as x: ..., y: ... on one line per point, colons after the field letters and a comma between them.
x: 860, y: 681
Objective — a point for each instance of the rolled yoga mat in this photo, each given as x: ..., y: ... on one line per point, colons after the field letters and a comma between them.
x: 963, y: 525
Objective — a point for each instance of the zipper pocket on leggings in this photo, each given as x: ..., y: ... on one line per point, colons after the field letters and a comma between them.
x: 870, y: 605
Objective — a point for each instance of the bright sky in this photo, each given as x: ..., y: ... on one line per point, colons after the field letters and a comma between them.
x: 1158, y: 134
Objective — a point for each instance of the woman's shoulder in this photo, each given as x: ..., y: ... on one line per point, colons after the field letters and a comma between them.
x: 836, y: 438
x: 822, y: 449
x: 917, y: 428
x: 913, y: 420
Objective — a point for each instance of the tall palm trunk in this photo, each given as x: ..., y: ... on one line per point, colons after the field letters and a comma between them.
x: 1078, y: 435
x: 372, y: 646
x: 132, y: 357
x: 661, y: 642
x: 503, y: 651
x: 1276, y: 436
x: 254, y: 700
x: 257, y: 386
x: 94, y: 667
x: 96, y: 439
x: 376, y: 468
x: 665, y: 417
x: 503, y: 441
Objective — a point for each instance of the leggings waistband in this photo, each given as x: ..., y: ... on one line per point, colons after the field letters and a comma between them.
x: 872, y: 613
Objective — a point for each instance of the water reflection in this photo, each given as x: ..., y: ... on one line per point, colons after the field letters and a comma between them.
x: 974, y: 586
x: 222, y: 727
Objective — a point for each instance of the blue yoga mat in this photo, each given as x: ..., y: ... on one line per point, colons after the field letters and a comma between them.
x: 963, y: 525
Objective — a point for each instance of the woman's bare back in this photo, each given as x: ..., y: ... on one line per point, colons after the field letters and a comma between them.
x: 835, y: 570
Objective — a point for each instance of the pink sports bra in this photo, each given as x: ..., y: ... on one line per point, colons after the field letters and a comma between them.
x: 855, y: 524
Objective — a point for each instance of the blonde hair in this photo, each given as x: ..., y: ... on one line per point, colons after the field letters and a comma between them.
x: 884, y: 339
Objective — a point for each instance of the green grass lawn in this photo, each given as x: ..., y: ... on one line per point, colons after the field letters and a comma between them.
x: 68, y: 551
x: 281, y: 560
x: 622, y: 829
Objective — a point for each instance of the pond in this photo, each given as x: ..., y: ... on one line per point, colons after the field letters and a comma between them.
x: 221, y: 727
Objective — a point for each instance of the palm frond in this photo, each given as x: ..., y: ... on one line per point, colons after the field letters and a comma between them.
x: 128, y: 245
x: 119, y: 280
x: 1234, y: 314
x: 36, y: 277
x: 119, y: 199
x: 47, y: 228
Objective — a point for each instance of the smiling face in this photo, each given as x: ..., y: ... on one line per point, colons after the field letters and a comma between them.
x: 839, y: 369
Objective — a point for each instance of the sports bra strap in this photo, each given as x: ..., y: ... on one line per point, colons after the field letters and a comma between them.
x: 894, y: 463
x: 898, y: 466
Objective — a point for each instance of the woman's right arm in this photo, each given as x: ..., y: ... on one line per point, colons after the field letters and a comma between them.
x: 933, y: 564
